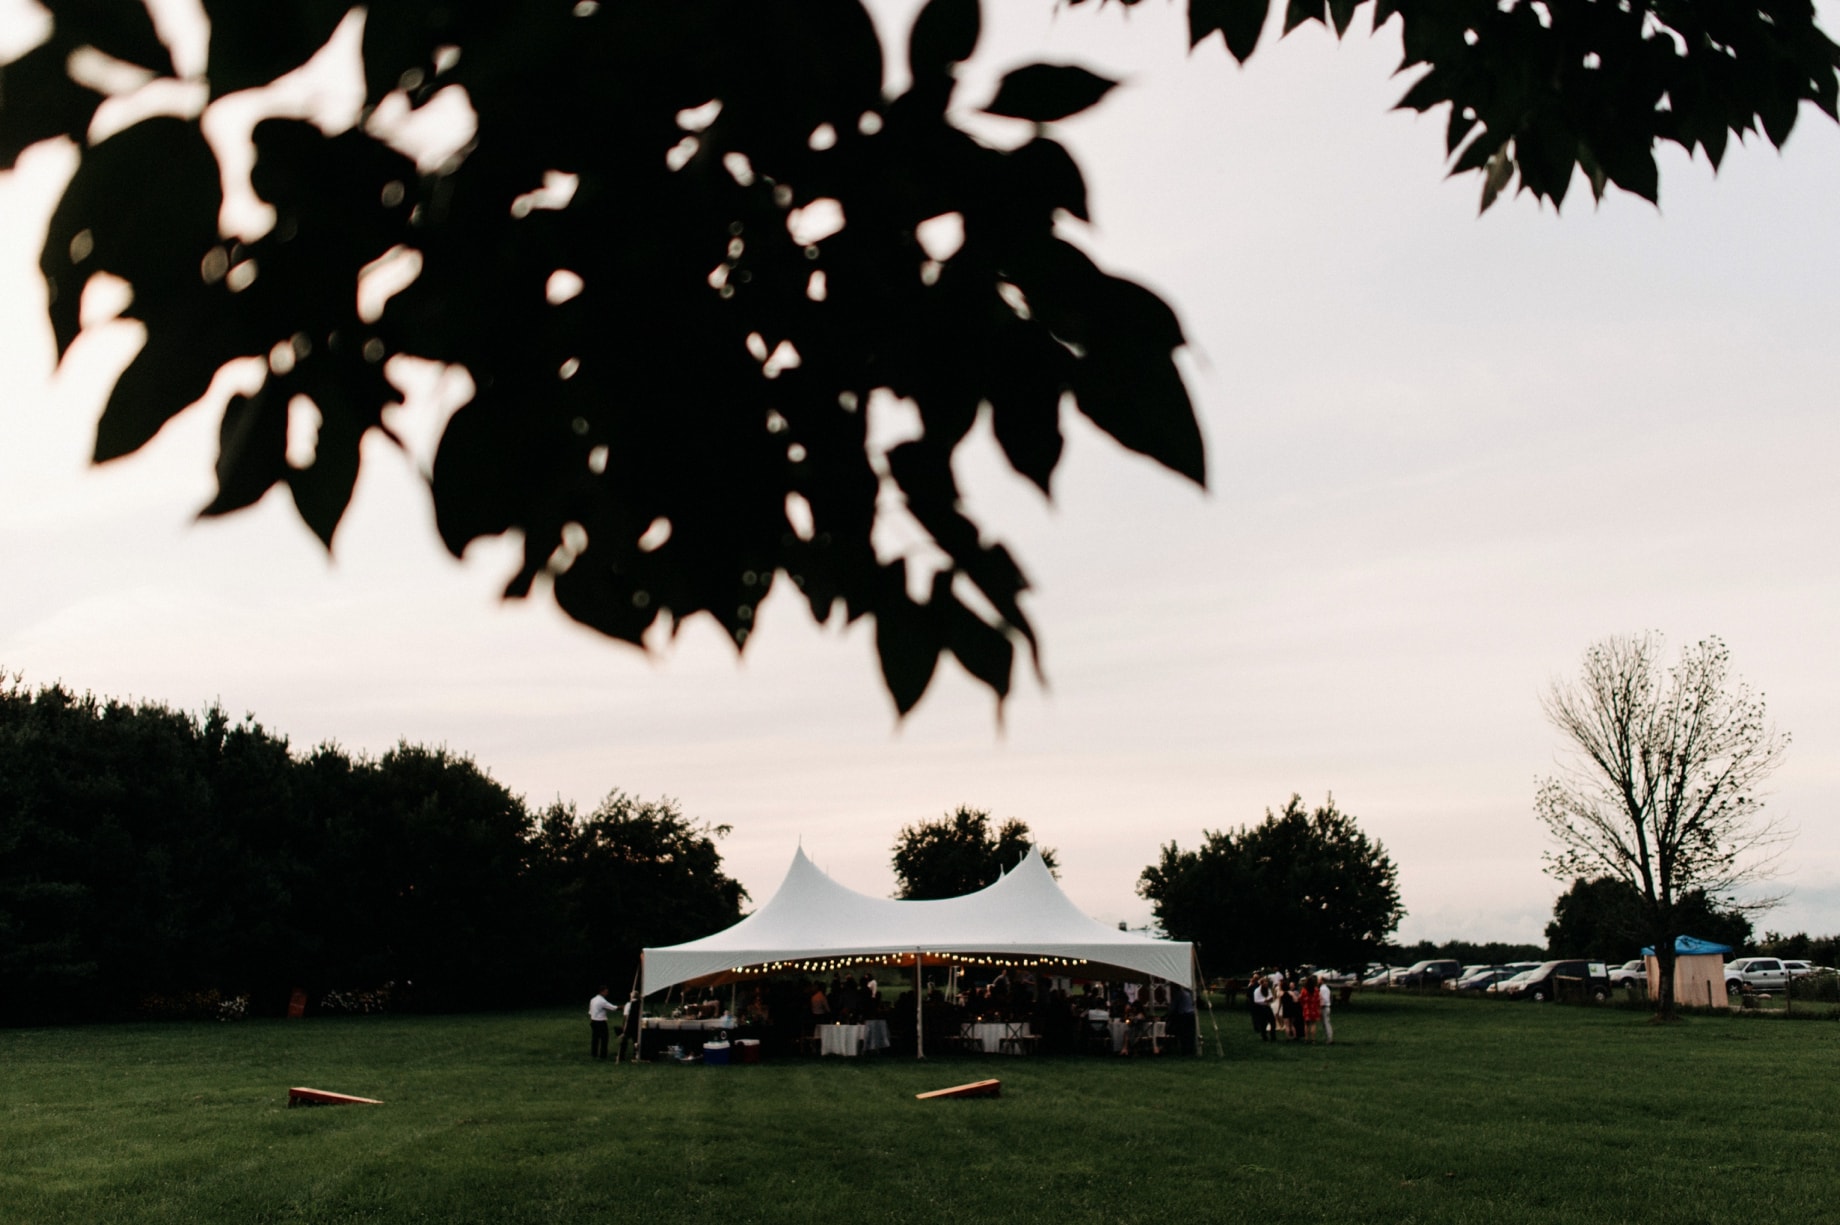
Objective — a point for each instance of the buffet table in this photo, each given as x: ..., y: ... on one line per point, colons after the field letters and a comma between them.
x: 690, y: 1033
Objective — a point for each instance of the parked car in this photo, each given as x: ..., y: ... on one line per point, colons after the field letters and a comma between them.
x: 1799, y: 969
x: 1428, y: 973
x: 1543, y: 984
x: 1756, y: 974
x: 1635, y: 971
x: 1383, y: 977
x: 1511, y: 985
x: 1483, y: 979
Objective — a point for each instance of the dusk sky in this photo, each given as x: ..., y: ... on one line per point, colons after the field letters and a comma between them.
x: 1446, y: 454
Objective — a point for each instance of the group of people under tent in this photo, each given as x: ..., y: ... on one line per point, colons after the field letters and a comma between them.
x: 1065, y: 1016
x: 843, y: 999
x: 1282, y: 1008
x: 1070, y: 1018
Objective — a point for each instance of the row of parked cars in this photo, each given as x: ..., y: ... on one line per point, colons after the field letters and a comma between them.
x: 1539, y: 980
x: 1521, y: 980
x: 1744, y: 974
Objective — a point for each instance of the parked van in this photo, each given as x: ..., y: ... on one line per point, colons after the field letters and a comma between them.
x: 1544, y: 983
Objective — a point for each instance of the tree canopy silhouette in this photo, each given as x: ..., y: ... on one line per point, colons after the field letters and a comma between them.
x: 691, y: 241
x: 959, y: 853
x: 1301, y: 887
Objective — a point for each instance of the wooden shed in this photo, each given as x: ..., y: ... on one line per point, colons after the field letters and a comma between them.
x: 1699, y: 972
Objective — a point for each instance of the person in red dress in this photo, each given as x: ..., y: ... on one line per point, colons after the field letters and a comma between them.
x: 1312, y: 1009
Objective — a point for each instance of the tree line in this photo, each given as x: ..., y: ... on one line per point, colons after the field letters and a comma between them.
x: 153, y: 861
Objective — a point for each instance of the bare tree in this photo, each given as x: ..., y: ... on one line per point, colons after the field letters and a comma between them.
x: 1659, y: 787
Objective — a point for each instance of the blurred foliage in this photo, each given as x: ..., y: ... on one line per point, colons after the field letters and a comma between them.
x: 150, y: 860
x: 680, y: 423
x: 1302, y: 887
x: 959, y: 853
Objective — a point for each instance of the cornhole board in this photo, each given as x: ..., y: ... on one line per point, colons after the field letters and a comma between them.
x: 322, y: 1097
x: 977, y: 1088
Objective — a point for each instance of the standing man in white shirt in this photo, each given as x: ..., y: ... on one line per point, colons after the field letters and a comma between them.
x: 599, y: 1009
x: 1328, y: 1000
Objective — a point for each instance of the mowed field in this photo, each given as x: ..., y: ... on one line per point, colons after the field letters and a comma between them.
x: 1423, y: 1110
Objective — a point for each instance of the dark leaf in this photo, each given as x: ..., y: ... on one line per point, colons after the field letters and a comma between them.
x: 984, y: 649
x: 482, y: 473
x: 322, y: 490
x: 1299, y: 11
x: 157, y: 245
x: 1243, y: 22
x: 252, y: 44
x: 595, y: 594
x: 1136, y: 395
x: 39, y: 101
x: 907, y: 639
x: 121, y: 28
x: 1204, y: 17
x: 172, y: 371
x: 1047, y: 92
x: 945, y: 33
x: 1050, y: 172
x: 252, y: 451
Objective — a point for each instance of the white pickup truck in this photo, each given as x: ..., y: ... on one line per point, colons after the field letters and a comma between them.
x: 1756, y: 973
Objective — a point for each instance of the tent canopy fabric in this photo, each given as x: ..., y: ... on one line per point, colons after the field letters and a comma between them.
x: 1023, y: 915
x: 1692, y: 946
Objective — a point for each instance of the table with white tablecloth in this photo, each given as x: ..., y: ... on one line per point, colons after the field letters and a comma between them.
x: 1158, y: 1031
x: 852, y: 1039
x: 989, y: 1036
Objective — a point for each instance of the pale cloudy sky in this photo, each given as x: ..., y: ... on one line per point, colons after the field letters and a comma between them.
x: 1447, y: 453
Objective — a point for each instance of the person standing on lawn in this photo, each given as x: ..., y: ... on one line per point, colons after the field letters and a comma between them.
x: 1326, y: 999
x: 1312, y: 1008
x: 599, y: 1009
x: 1292, y: 1006
x: 1260, y: 1005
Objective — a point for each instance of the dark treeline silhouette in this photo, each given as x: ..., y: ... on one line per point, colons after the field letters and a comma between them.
x: 1494, y: 952
x: 149, y: 859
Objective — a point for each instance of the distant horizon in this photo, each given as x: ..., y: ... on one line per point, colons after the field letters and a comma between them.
x: 1447, y: 454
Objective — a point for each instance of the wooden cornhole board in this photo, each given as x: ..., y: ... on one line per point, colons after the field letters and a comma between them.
x: 977, y: 1088
x: 323, y: 1097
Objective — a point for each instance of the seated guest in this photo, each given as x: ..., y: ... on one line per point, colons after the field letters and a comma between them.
x: 1137, y: 1025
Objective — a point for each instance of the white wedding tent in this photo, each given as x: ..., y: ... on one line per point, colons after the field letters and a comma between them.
x: 814, y: 923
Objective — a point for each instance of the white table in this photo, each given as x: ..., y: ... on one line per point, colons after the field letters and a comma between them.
x: 840, y: 1039
x: 852, y: 1039
x: 989, y: 1035
x: 1158, y: 1031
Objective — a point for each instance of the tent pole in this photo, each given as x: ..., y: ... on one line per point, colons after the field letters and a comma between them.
x: 637, y: 1007
x: 919, y: 1014
x: 1213, y: 1021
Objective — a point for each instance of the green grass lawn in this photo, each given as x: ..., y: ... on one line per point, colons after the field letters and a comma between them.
x: 1423, y: 1110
